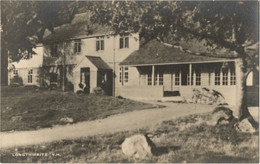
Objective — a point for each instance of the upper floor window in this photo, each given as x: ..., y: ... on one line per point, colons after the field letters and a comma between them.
x: 77, y: 46
x: 30, y: 77
x: 54, y: 50
x: 124, y: 42
x: 100, y: 44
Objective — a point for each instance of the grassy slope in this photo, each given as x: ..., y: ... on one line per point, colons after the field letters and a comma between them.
x: 39, y: 109
x: 186, y: 139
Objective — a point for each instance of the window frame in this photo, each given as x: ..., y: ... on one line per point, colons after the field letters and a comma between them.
x: 100, y: 44
x: 126, y: 75
x: 124, y: 42
x: 198, y: 77
x: 177, y: 78
x: 30, y: 76
x: 15, y: 76
x: 225, y: 76
x: 77, y: 45
x: 232, y: 76
x: 217, y: 77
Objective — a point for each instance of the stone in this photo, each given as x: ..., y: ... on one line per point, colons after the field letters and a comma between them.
x: 16, y: 118
x: 138, y: 146
x: 66, y: 120
x: 245, y: 126
x: 221, y: 115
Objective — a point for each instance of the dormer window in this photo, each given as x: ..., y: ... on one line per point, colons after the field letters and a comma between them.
x: 54, y: 50
x: 77, y: 46
x: 124, y: 42
x: 100, y: 44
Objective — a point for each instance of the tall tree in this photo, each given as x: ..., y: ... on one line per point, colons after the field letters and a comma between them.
x: 231, y: 25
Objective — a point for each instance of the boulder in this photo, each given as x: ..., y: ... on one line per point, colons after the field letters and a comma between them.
x: 245, y: 126
x: 221, y: 115
x: 138, y: 146
x: 66, y: 120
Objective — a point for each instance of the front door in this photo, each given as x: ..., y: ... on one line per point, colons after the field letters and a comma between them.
x: 85, y: 79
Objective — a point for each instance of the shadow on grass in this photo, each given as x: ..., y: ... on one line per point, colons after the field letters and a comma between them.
x: 164, y: 150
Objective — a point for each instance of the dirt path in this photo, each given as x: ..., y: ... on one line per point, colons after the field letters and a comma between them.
x: 121, y: 122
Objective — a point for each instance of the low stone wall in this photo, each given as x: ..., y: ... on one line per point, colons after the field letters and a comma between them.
x: 140, y: 92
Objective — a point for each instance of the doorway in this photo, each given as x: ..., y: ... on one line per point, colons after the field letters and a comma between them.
x: 85, y: 79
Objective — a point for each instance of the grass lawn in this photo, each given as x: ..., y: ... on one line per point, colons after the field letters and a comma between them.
x: 187, y: 139
x: 28, y: 108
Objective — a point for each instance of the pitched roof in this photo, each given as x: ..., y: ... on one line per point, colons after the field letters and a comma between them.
x: 98, y: 62
x: 79, y: 27
x: 155, y: 52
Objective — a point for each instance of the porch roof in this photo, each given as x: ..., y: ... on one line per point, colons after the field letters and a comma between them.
x: 98, y: 62
x: 156, y: 53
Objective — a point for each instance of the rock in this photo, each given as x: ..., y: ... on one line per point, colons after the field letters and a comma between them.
x: 138, y: 146
x: 221, y: 115
x: 245, y: 126
x: 66, y: 120
x: 16, y: 118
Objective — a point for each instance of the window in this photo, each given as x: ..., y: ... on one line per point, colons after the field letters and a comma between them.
x: 224, y: 76
x: 188, y: 79
x: 232, y: 76
x: 126, y: 75
x: 149, y: 80
x: 155, y: 78
x: 77, y: 46
x: 15, y: 72
x: 120, y: 75
x: 177, y: 78
x: 217, y: 76
x: 198, y: 77
x: 53, y: 78
x: 54, y: 50
x: 30, y: 73
x: 124, y: 42
x: 160, y: 78
x: 100, y: 44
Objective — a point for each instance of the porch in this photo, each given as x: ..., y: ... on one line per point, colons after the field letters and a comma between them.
x: 156, y: 81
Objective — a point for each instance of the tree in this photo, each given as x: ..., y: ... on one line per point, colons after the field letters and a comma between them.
x: 23, y: 24
x: 231, y: 25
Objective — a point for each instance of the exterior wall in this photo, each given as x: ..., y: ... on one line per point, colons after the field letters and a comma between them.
x: 23, y: 67
x: 112, y: 54
x: 23, y: 77
x: 207, y: 76
x: 141, y: 92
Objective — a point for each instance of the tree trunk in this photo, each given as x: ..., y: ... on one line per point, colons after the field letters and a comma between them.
x: 242, y: 107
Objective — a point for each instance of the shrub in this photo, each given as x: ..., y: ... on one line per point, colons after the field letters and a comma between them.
x: 98, y: 91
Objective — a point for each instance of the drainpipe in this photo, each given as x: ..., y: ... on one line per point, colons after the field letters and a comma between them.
x: 114, y: 65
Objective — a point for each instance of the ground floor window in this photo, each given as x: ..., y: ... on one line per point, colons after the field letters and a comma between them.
x: 15, y: 72
x: 149, y: 79
x: 225, y: 76
x: 30, y: 77
x: 126, y: 75
x: 232, y: 76
x: 217, y: 76
x: 177, y: 78
x: 198, y: 77
x: 120, y: 75
x: 160, y: 78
